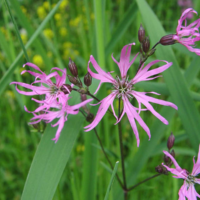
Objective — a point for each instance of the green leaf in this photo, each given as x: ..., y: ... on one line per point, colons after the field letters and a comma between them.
x: 26, y: 24
x: 17, y: 31
x: 173, y: 77
x: 121, y: 28
x: 50, y: 160
x: 111, y: 180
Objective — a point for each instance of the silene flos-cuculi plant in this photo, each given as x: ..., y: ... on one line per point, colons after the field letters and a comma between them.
x: 54, y: 103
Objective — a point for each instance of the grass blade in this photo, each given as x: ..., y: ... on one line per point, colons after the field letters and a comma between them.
x: 121, y: 28
x: 111, y: 180
x: 17, y: 32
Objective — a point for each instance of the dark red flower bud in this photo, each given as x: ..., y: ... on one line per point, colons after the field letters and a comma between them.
x: 72, y: 67
x: 173, y: 153
x: 141, y: 33
x: 146, y: 44
x: 66, y: 88
x: 170, y: 142
x: 167, y: 40
x: 159, y: 169
x: 83, y: 97
x: 88, y: 79
x: 166, y: 159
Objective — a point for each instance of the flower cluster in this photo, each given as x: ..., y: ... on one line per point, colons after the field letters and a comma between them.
x: 186, y: 35
x: 187, y: 189
x: 123, y: 89
x: 55, y: 104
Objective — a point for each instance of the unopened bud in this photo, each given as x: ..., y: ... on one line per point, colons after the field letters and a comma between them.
x: 141, y: 33
x: 170, y: 142
x: 83, y: 97
x: 66, y: 88
x: 151, y: 52
x: 72, y: 67
x: 72, y: 79
x: 90, y: 117
x: 146, y: 44
x: 173, y: 153
x: 167, y: 40
x: 160, y: 169
x: 166, y: 159
x: 88, y: 79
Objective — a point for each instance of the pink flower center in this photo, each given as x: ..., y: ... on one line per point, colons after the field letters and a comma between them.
x: 123, y: 87
x: 54, y: 90
x: 190, y: 180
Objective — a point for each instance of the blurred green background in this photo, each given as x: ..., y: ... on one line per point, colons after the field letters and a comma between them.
x: 73, y: 32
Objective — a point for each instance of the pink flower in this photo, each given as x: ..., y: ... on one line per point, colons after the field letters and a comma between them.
x: 187, y: 189
x: 187, y: 35
x: 51, y: 90
x: 123, y: 88
x: 55, y: 105
x: 61, y: 111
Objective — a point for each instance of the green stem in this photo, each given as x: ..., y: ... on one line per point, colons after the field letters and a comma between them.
x: 122, y: 153
x: 107, y: 158
x: 133, y: 187
x: 141, y: 63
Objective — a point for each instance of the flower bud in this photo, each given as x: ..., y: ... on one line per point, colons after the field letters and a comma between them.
x: 167, y: 40
x: 66, y: 88
x: 90, y: 117
x: 146, y: 44
x: 83, y: 97
x: 173, y: 153
x: 166, y: 159
x: 141, y: 33
x: 161, y: 170
x: 88, y: 79
x: 170, y: 142
x: 72, y: 67
x: 72, y: 79
x: 151, y: 52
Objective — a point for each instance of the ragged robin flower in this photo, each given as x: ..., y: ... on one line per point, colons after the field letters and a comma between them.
x: 187, y: 35
x: 123, y: 88
x: 46, y: 86
x: 55, y: 104
x: 187, y: 189
x: 60, y: 111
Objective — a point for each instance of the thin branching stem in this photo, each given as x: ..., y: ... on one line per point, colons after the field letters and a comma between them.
x: 147, y: 179
x: 107, y: 158
x: 104, y: 152
x: 122, y: 153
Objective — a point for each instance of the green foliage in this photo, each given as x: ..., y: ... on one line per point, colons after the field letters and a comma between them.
x: 32, y: 166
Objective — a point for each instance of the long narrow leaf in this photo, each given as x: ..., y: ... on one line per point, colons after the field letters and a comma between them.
x: 111, y: 180
x: 50, y: 160
x: 121, y: 28
x: 17, y: 31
